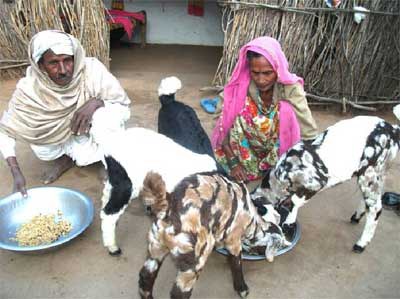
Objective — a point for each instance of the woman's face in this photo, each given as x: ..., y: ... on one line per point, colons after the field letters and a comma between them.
x: 262, y: 73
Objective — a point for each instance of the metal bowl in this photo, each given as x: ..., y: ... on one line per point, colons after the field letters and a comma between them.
x: 16, y: 210
x: 293, y: 239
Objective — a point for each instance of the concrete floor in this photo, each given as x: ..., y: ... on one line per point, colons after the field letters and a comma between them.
x: 322, y: 264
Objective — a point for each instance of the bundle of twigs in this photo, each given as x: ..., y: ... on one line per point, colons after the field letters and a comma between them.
x: 22, y: 19
x: 340, y: 60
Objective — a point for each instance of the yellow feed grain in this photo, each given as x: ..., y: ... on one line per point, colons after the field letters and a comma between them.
x: 42, y: 229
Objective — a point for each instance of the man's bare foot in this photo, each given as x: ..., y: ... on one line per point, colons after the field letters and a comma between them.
x: 58, y: 167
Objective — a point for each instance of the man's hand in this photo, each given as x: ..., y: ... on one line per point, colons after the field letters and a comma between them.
x: 19, y: 182
x: 82, y: 118
x: 19, y: 179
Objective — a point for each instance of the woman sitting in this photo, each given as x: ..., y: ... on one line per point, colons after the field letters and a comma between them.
x: 265, y: 111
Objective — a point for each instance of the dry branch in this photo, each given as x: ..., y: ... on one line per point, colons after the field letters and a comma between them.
x: 13, y: 60
x: 13, y: 66
x: 343, y: 102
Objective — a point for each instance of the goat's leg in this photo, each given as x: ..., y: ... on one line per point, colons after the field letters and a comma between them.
x: 108, y: 227
x: 149, y: 271
x: 189, y: 267
x: 234, y: 246
x: 296, y: 204
x: 359, y: 213
x: 240, y: 286
x: 109, y: 220
x: 184, y: 283
x: 371, y: 185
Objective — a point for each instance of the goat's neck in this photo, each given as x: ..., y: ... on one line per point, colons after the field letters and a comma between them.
x: 257, y: 224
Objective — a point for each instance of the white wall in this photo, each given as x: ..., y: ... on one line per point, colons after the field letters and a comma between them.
x: 170, y: 23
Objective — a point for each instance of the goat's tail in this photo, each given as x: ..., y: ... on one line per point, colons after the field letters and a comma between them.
x: 396, y: 128
x: 396, y: 111
x: 167, y: 89
x: 154, y: 194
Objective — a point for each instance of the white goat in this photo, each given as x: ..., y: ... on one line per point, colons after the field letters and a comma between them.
x: 359, y: 147
x: 129, y: 156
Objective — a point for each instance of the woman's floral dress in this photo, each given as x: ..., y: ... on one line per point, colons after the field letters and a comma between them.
x: 254, y: 138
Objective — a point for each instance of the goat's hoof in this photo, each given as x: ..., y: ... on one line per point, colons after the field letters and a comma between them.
x: 358, y: 248
x: 146, y: 296
x: 147, y: 210
x: 354, y: 219
x: 116, y: 252
x: 244, y: 293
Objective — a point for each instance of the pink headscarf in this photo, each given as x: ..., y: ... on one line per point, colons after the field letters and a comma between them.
x: 235, y: 91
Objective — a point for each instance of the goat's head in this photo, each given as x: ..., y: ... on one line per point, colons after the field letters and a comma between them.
x: 266, y: 241
x: 265, y: 209
x: 154, y: 196
x: 268, y: 237
x: 275, y: 242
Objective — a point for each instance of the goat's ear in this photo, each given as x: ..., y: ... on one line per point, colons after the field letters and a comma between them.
x: 286, y: 243
x: 265, y: 180
x: 269, y: 257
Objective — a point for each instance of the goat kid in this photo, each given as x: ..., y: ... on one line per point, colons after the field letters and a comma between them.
x: 361, y: 147
x: 179, y: 121
x: 129, y: 156
x: 203, y: 211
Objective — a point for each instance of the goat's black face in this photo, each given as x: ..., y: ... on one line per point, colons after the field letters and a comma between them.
x: 283, y: 212
x: 261, y: 203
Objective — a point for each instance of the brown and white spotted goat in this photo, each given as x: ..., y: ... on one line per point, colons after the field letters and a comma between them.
x: 361, y: 147
x: 204, y: 210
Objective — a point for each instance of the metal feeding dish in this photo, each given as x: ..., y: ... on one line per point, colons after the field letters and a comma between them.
x: 15, y: 210
x: 294, y: 238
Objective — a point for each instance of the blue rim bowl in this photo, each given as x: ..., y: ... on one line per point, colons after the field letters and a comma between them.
x: 15, y: 210
x: 253, y: 257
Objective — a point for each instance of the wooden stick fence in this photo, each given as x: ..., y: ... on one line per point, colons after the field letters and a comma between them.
x: 22, y: 19
x: 338, y: 58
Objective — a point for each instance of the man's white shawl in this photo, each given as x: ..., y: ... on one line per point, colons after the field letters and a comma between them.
x: 40, y: 111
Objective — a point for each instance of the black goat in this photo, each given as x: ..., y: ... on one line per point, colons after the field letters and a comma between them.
x: 179, y: 121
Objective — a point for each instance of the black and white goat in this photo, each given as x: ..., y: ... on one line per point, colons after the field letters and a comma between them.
x: 179, y: 121
x: 361, y: 147
x: 129, y: 156
x: 204, y: 211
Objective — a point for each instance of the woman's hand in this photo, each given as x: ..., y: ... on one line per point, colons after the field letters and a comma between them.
x: 237, y: 170
x: 80, y: 123
x: 238, y: 173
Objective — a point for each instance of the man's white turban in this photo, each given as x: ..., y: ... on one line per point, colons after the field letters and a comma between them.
x: 57, y: 41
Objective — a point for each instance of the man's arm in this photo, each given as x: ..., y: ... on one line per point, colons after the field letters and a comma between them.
x: 105, y: 91
x: 82, y: 118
